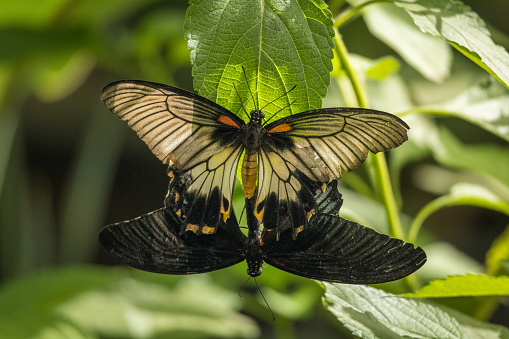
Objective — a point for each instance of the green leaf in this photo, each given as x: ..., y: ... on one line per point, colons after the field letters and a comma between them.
x: 142, y: 310
x: 470, y: 285
x: 372, y: 313
x: 456, y: 23
x: 499, y: 251
x: 476, y: 328
x: 27, y: 305
x: 484, y: 105
x: 505, y: 265
x: 280, y: 44
x: 429, y: 56
x: 383, y: 68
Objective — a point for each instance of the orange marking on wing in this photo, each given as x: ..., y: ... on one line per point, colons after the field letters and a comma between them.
x: 259, y: 215
x: 281, y: 128
x: 310, y: 214
x: 192, y: 227
x: 208, y: 230
x: 227, y: 121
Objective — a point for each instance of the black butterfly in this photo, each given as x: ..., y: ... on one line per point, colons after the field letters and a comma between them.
x: 202, y: 143
x: 332, y: 249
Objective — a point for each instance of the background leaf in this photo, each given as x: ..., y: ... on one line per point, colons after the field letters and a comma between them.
x: 498, y: 252
x: 430, y: 56
x: 90, y: 302
x: 485, y: 105
x: 464, y: 29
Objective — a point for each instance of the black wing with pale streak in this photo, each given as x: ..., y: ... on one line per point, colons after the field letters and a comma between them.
x: 339, y: 250
x: 153, y: 243
x: 317, y: 145
x: 193, y: 135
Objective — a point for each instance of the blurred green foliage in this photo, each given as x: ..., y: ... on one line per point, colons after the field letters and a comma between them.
x: 68, y: 167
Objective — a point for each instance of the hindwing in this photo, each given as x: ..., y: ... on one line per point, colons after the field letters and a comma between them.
x: 339, y: 250
x: 153, y: 243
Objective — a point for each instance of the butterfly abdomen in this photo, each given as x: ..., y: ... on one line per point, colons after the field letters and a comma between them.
x: 249, y: 172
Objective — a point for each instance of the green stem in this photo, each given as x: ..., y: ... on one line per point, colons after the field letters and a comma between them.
x: 342, y: 54
x: 423, y: 214
x: 380, y: 170
x: 347, y: 15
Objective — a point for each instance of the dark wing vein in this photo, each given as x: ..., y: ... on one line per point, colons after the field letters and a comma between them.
x: 339, y: 250
x: 323, y: 142
x: 152, y: 243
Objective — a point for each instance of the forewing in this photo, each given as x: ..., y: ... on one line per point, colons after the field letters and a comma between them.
x: 323, y: 142
x: 339, y: 250
x: 179, y: 127
x: 199, y: 139
x: 153, y: 243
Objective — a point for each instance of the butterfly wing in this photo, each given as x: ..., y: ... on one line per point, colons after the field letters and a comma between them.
x: 339, y: 250
x: 193, y: 135
x: 317, y: 145
x: 153, y: 243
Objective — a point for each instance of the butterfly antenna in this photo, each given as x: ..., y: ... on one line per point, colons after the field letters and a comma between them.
x: 241, y: 102
x: 273, y: 115
x: 242, y: 213
x: 279, y: 97
x: 247, y: 83
x: 244, y: 285
x: 265, y: 300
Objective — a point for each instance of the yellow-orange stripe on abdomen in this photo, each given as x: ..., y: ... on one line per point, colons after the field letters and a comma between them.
x: 249, y: 173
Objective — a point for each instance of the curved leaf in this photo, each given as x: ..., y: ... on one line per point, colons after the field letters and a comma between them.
x: 456, y: 23
x: 485, y: 105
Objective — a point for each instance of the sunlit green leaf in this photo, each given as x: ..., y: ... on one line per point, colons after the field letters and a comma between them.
x: 383, y: 68
x: 469, y: 285
x: 456, y: 23
x: 430, y: 56
x: 281, y: 44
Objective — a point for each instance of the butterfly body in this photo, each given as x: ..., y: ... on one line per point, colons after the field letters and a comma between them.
x: 285, y: 162
x: 253, y: 136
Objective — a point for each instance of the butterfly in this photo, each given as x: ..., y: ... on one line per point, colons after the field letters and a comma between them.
x: 332, y: 249
x: 284, y: 161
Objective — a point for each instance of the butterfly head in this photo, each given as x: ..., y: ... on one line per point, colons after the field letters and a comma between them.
x: 254, y: 268
x: 257, y: 117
